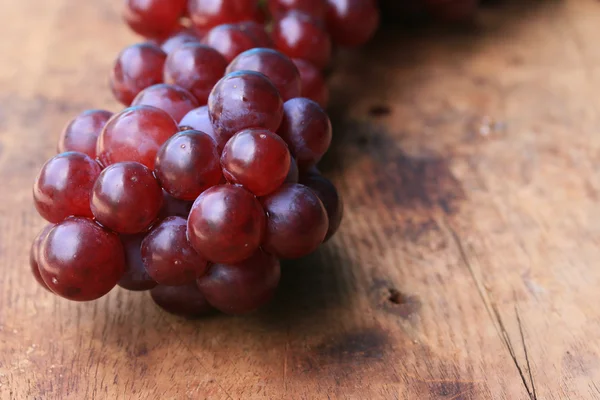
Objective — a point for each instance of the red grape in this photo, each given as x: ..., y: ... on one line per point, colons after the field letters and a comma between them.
x: 315, y: 8
x: 34, y: 255
x: 126, y: 198
x: 81, y: 261
x: 188, y: 164
x: 81, y: 134
x: 174, y: 100
x: 184, y: 300
x: 226, y: 224
x: 199, y: 120
x: 153, y: 18
x: 206, y: 14
x: 257, y: 159
x: 135, y: 134
x: 135, y: 277
x: 173, y: 207
x: 274, y: 65
x: 178, y: 40
x: 329, y: 196
x: 293, y: 174
x: 195, y: 67
x: 301, y: 36
x: 306, y: 129
x: 62, y: 188
x: 313, y: 85
x: 229, y: 40
x: 136, y: 68
x: 257, y: 32
x: 244, y: 99
x: 352, y: 23
x: 169, y: 257
x: 296, y: 221
x: 241, y: 287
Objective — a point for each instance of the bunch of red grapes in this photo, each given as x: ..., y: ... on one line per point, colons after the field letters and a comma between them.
x: 208, y: 178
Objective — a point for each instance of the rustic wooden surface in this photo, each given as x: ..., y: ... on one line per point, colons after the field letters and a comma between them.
x: 467, y: 265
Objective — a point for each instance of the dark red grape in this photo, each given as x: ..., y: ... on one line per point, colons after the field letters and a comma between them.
x: 314, y: 8
x: 241, y: 287
x: 81, y: 134
x: 173, y: 99
x: 313, y: 84
x: 184, y: 300
x: 126, y: 198
x: 296, y: 221
x: 241, y: 100
x: 329, y: 196
x: 136, y: 68
x: 276, y: 66
x: 196, y: 68
x: 34, y: 255
x: 301, y: 36
x: 169, y: 257
x: 62, y: 188
x: 199, y: 120
x: 257, y: 32
x: 257, y: 159
x: 81, y: 261
x: 173, y: 207
x: 229, y: 40
x: 206, y: 14
x: 135, y: 134
x: 294, y: 173
x: 178, y: 40
x: 306, y: 129
x: 188, y: 164
x: 352, y: 23
x: 226, y: 224
x: 153, y: 18
x: 135, y: 277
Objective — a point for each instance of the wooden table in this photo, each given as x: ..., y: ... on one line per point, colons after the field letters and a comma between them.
x: 467, y: 266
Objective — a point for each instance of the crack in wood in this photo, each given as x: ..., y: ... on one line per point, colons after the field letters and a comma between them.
x: 525, y: 350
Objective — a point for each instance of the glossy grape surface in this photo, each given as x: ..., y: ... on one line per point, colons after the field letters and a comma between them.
x: 34, y: 255
x: 301, y: 36
x: 296, y: 221
x: 229, y: 40
x: 136, y: 68
x: 278, y: 67
x: 329, y: 196
x: 188, y: 164
x: 174, y: 100
x: 206, y: 14
x: 81, y: 133
x: 257, y: 159
x: 315, y: 8
x: 313, y: 83
x: 186, y: 301
x: 153, y: 18
x: 81, y: 261
x: 135, y: 134
x: 178, y: 40
x: 352, y: 22
x: 226, y: 224
x: 306, y: 129
x: 241, y: 287
x: 135, y: 277
x: 196, y: 68
x: 169, y: 257
x: 63, y: 186
x: 294, y: 173
x: 241, y: 100
x: 126, y: 198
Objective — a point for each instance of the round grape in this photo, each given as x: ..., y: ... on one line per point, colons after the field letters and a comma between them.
x: 352, y: 23
x: 229, y: 40
x: 241, y: 287
x: 135, y: 134
x: 169, y: 257
x: 226, y: 224
x: 196, y: 68
x: 188, y: 164
x: 301, y: 36
x: 34, y: 255
x: 313, y: 84
x: 329, y: 196
x: 241, y: 100
x: 206, y: 14
x: 296, y: 221
x: 178, y: 40
x: 257, y: 159
x: 306, y: 129
x: 81, y: 134
x: 136, y: 68
x: 62, y: 188
x: 135, y: 277
x: 276, y: 66
x: 153, y: 18
x: 186, y: 301
x: 81, y: 261
x: 126, y: 198
x: 174, y: 100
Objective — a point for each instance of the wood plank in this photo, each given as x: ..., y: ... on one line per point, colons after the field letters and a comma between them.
x: 465, y: 267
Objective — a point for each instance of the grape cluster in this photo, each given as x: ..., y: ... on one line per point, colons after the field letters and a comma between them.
x: 208, y: 177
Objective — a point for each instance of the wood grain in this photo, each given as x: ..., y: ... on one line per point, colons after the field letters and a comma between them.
x: 467, y: 264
